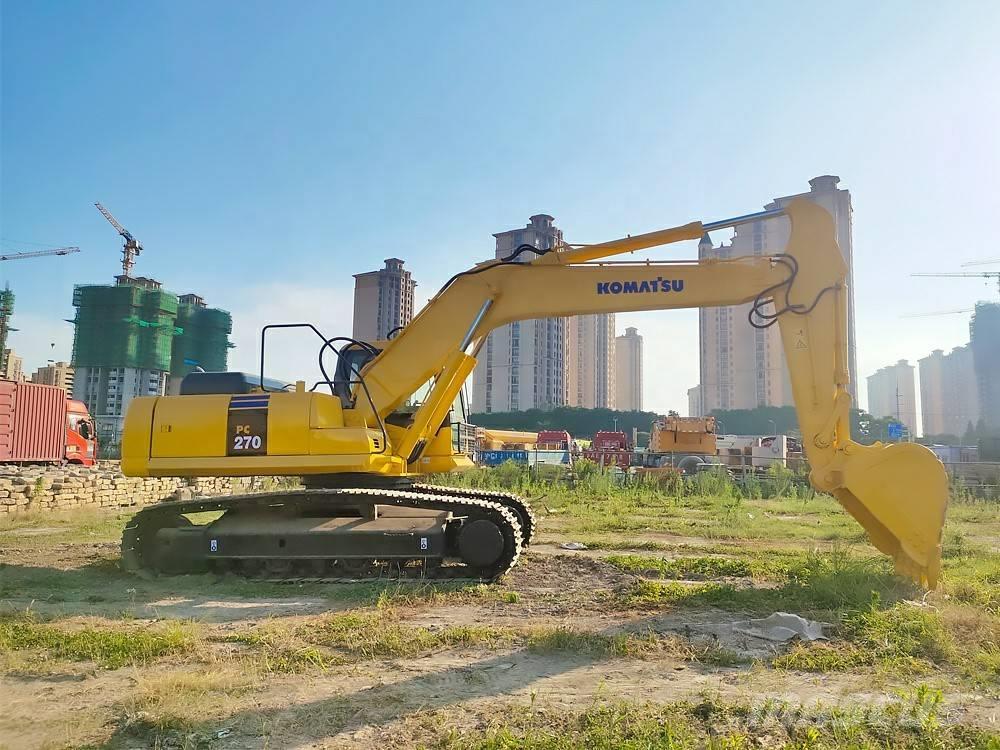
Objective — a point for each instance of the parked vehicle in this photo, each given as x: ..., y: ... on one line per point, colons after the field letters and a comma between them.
x: 554, y: 440
x: 610, y: 448
x: 38, y: 424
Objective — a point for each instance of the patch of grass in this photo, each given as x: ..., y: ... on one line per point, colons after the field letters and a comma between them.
x: 62, y: 527
x: 172, y: 701
x: 344, y: 638
x: 611, y: 543
x: 817, y: 584
x: 902, y: 638
x: 379, y: 634
x: 568, y: 640
x: 910, y: 722
x: 689, y: 568
x: 372, y: 634
x: 110, y: 648
x: 274, y: 650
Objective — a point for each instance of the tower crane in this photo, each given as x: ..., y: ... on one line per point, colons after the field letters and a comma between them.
x: 132, y: 247
x: 40, y: 253
x: 7, y: 296
x: 981, y: 262
x: 968, y: 274
x: 939, y: 312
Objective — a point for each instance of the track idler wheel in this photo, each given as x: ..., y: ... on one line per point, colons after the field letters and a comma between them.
x: 480, y: 543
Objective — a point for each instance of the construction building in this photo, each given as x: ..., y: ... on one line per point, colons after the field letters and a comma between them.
x: 891, y: 393
x: 6, y: 311
x: 984, y: 340
x: 59, y: 374
x: 383, y: 301
x: 203, y: 340
x: 13, y: 367
x: 949, y: 397
x: 590, y: 361
x: 124, y: 343
x: 742, y: 367
x: 523, y: 365
x: 628, y: 371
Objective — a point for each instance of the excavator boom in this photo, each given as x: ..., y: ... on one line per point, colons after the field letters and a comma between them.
x: 898, y: 493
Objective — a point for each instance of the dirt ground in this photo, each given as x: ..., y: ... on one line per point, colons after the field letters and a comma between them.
x: 221, y: 695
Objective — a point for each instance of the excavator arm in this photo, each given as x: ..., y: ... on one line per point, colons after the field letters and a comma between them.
x: 897, y: 492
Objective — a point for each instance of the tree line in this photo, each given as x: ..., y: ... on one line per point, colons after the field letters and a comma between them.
x: 764, y: 420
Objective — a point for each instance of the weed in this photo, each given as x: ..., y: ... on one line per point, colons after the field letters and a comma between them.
x: 689, y: 568
x: 817, y: 583
x: 111, y: 649
x: 909, y: 722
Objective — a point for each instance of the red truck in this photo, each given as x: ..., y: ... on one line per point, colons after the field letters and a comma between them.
x: 38, y: 424
x: 554, y: 440
x: 610, y: 449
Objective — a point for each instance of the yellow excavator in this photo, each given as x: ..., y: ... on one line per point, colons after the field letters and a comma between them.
x: 360, y: 443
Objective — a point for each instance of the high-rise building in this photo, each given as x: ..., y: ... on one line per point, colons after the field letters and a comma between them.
x: 949, y: 399
x: 590, y: 361
x: 743, y: 367
x: 58, y: 374
x: 695, y: 406
x: 891, y: 393
x: 628, y: 371
x: 12, y: 367
x: 984, y: 335
x: 383, y: 301
x: 523, y: 364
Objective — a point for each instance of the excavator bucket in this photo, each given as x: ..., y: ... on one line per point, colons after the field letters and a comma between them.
x: 899, y: 494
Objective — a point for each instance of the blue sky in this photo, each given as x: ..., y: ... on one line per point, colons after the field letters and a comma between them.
x: 264, y: 152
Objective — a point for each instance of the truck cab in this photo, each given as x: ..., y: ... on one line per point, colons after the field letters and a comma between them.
x: 81, y: 437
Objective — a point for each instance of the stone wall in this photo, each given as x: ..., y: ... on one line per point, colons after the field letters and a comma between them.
x: 104, y: 486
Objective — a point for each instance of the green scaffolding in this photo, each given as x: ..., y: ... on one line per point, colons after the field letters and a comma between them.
x: 124, y: 326
x: 204, y: 342
x: 6, y: 312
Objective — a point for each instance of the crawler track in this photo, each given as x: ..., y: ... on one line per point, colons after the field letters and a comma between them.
x: 140, y: 536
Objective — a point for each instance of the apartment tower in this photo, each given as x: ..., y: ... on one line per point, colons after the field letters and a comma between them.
x: 891, y: 393
x: 949, y: 398
x: 590, y: 361
x: 743, y: 367
x: 523, y: 364
x: 58, y: 374
x: 13, y: 367
x: 984, y: 340
x: 383, y: 301
x: 628, y: 371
